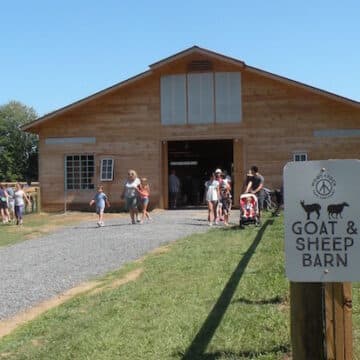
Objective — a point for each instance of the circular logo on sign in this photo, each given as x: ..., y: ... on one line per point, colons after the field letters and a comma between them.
x: 324, y: 185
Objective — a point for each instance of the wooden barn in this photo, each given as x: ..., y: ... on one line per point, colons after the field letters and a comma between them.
x: 194, y: 111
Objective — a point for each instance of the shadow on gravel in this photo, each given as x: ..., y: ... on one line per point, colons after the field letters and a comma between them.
x: 202, y: 339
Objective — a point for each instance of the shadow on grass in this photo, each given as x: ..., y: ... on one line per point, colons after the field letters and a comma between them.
x: 202, y: 339
x: 274, y: 300
x: 226, y: 354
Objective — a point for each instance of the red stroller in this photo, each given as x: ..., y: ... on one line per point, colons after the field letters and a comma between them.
x: 249, y: 210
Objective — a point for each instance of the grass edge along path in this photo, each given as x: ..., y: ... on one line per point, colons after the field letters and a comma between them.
x: 219, y: 295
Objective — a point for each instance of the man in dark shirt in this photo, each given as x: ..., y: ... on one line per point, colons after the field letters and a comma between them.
x: 255, y: 186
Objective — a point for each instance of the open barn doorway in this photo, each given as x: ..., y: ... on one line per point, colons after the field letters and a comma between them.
x: 193, y: 162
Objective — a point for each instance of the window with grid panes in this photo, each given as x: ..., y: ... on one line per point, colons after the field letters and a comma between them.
x: 79, y: 172
x: 107, y: 169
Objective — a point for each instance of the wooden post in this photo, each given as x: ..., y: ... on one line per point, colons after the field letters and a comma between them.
x: 321, y: 326
x: 238, y: 160
x: 338, y: 307
x: 307, y: 319
x: 38, y: 199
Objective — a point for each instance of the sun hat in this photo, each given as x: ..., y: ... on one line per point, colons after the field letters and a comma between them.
x: 218, y: 171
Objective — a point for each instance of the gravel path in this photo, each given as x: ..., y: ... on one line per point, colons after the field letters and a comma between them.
x: 39, y: 269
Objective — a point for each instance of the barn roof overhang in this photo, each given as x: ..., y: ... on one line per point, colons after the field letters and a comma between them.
x: 31, y: 127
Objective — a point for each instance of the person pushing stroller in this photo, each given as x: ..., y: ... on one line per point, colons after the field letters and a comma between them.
x: 255, y: 186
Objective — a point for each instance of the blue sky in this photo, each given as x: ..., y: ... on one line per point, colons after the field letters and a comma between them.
x: 53, y: 53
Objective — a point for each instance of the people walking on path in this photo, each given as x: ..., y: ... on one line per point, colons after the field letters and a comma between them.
x: 225, y: 199
x: 212, y: 197
x: 4, y: 204
x: 20, y: 197
x: 11, y: 202
x: 174, y: 189
x: 100, y: 200
x: 130, y: 195
x: 144, y: 192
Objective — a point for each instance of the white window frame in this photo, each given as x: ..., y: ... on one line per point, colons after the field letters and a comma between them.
x: 300, y: 156
x: 102, y: 175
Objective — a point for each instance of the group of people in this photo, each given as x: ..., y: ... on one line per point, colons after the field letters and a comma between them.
x: 218, y: 197
x: 136, y: 192
x: 12, y: 203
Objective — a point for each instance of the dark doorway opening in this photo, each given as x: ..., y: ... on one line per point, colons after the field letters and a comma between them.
x: 193, y: 162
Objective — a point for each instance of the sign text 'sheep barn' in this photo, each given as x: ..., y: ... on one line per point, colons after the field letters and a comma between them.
x: 322, y: 220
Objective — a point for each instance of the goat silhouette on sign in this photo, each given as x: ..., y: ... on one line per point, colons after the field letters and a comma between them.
x: 309, y: 208
x: 334, y: 210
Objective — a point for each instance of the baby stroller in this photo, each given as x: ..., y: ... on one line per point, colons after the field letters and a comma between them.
x: 249, y: 210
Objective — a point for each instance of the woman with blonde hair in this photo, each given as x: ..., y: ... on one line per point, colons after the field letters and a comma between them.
x: 19, y: 197
x: 130, y: 195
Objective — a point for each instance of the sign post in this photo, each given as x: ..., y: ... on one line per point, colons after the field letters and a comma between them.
x: 322, y: 254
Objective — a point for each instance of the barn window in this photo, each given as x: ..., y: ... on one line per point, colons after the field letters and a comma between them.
x: 300, y: 156
x: 228, y: 97
x: 173, y: 101
x: 79, y: 172
x: 107, y: 169
x: 201, y: 98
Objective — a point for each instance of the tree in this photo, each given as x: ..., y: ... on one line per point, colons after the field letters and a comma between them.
x: 18, y: 150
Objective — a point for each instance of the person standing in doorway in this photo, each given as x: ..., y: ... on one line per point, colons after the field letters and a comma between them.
x: 174, y: 189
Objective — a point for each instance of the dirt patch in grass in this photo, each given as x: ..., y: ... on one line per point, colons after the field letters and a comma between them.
x: 131, y: 276
x: 158, y: 251
x: 93, y: 287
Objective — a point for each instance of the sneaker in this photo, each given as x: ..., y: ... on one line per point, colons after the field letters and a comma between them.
x: 98, y: 223
x: 210, y: 223
x: 133, y: 222
x: 102, y: 224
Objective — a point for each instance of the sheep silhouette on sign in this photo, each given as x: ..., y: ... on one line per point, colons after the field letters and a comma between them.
x: 309, y: 208
x: 334, y: 210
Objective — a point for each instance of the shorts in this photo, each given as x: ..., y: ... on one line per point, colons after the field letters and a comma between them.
x: 225, y: 205
x: 100, y: 209
x: 19, y: 211
x: 11, y: 205
x: 144, y: 201
x: 132, y: 203
x: 3, y: 205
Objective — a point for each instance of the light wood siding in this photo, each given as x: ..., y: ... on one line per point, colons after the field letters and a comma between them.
x: 278, y: 118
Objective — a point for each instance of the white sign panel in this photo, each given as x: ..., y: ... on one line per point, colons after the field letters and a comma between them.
x: 322, y: 220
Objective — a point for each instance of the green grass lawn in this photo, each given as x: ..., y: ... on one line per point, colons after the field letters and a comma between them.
x: 220, y: 295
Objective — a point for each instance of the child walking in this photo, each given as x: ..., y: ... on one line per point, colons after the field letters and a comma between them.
x: 100, y: 199
x: 144, y: 192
